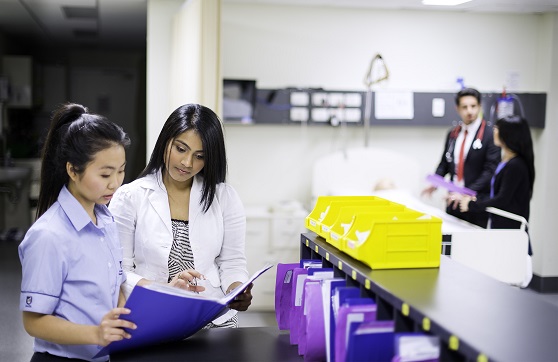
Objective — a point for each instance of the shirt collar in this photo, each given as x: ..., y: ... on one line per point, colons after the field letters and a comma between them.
x: 77, y: 214
x: 473, y: 127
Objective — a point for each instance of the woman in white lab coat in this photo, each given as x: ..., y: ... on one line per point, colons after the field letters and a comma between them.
x: 180, y: 217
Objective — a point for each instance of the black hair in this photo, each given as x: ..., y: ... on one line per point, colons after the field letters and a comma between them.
x: 74, y: 136
x: 208, y: 126
x: 514, y: 132
x: 467, y: 92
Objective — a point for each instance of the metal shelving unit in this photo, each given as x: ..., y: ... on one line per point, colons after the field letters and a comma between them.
x: 476, y: 317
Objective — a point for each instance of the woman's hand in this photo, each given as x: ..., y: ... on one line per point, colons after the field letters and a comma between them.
x: 464, y: 203
x: 453, y: 199
x: 428, y: 191
x: 187, y: 279
x: 242, y: 301
x: 111, y: 327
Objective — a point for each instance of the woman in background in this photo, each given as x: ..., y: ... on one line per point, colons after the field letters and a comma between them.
x: 512, y: 184
x: 180, y: 217
x: 71, y: 256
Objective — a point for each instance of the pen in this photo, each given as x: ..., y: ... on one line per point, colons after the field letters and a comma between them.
x: 194, y: 283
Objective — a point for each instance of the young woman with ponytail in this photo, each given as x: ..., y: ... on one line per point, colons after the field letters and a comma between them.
x: 71, y: 256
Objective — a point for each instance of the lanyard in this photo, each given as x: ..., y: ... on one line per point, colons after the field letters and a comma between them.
x: 477, y: 144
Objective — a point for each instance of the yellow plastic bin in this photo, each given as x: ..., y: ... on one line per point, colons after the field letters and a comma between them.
x: 323, y: 207
x: 347, y: 217
x: 404, y: 241
x: 344, y: 218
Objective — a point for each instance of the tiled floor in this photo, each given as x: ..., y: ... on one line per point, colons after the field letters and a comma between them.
x: 17, y: 346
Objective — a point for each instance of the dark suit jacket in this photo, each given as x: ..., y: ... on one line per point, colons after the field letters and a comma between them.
x: 512, y: 193
x: 479, y: 168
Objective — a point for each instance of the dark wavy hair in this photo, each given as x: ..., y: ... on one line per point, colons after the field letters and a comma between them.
x: 74, y: 136
x: 467, y: 92
x: 514, y: 132
x: 208, y: 126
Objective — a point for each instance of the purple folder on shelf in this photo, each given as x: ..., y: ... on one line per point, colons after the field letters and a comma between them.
x: 330, y: 293
x: 312, y: 335
x: 315, y: 349
x: 371, y: 341
x: 301, y: 324
x: 350, y: 316
x: 340, y: 294
x: 315, y: 275
x: 315, y: 324
x: 439, y: 181
x: 310, y: 263
x: 283, y: 289
x: 299, y: 275
x: 416, y: 347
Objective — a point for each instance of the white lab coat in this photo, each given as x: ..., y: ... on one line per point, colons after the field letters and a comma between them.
x: 217, y: 237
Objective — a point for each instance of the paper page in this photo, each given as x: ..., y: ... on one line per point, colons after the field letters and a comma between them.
x: 165, y: 288
x: 299, y: 289
x: 393, y: 105
x: 245, y: 285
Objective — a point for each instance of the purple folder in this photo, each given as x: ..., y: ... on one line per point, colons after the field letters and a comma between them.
x: 320, y: 314
x: 330, y: 290
x: 299, y: 274
x: 439, y: 181
x: 301, y: 324
x: 371, y: 341
x: 416, y: 346
x: 283, y: 289
x: 310, y: 308
x: 347, y: 316
x: 314, y: 275
x: 315, y: 346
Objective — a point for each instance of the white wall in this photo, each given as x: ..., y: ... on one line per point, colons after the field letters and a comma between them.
x: 284, y: 46
x: 543, y: 205
x: 159, y: 57
x: 425, y: 51
x: 177, y: 30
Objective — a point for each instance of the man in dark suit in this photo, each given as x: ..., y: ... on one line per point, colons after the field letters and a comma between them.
x: 470, y: 156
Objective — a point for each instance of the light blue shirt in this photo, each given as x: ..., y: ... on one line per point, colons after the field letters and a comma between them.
x: 72, y: 269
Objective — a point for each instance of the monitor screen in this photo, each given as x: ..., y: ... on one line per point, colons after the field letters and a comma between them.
x: 239, y: 100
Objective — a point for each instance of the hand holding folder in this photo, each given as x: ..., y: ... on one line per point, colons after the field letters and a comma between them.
x: 163, y: 314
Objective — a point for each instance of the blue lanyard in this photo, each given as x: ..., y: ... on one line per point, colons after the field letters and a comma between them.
x: 498, y: 169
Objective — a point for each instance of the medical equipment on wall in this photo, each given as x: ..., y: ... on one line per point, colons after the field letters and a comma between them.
x: 377, y: 72
x: 505, y: 106
x: 461, y: 83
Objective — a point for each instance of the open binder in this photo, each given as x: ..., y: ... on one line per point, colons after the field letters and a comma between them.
x: 163, y: 313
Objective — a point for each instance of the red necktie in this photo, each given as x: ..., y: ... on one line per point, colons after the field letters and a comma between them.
x: 461, y: 162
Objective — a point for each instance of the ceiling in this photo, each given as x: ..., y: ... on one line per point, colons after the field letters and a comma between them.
x: 517, y: 6
x: 122, y: 23
x: 100, y: 23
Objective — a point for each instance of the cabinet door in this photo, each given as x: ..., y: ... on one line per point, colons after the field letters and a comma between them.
x: 257, y: 254
x: 285, y: 232
x: 270, y: 239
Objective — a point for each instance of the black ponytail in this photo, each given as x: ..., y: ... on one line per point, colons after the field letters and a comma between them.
x: 75, y: 136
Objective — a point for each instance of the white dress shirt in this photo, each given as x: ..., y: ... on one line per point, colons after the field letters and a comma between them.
x: 471, y: 133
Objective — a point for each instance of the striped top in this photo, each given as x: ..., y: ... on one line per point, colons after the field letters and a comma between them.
x: 180, y: 256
